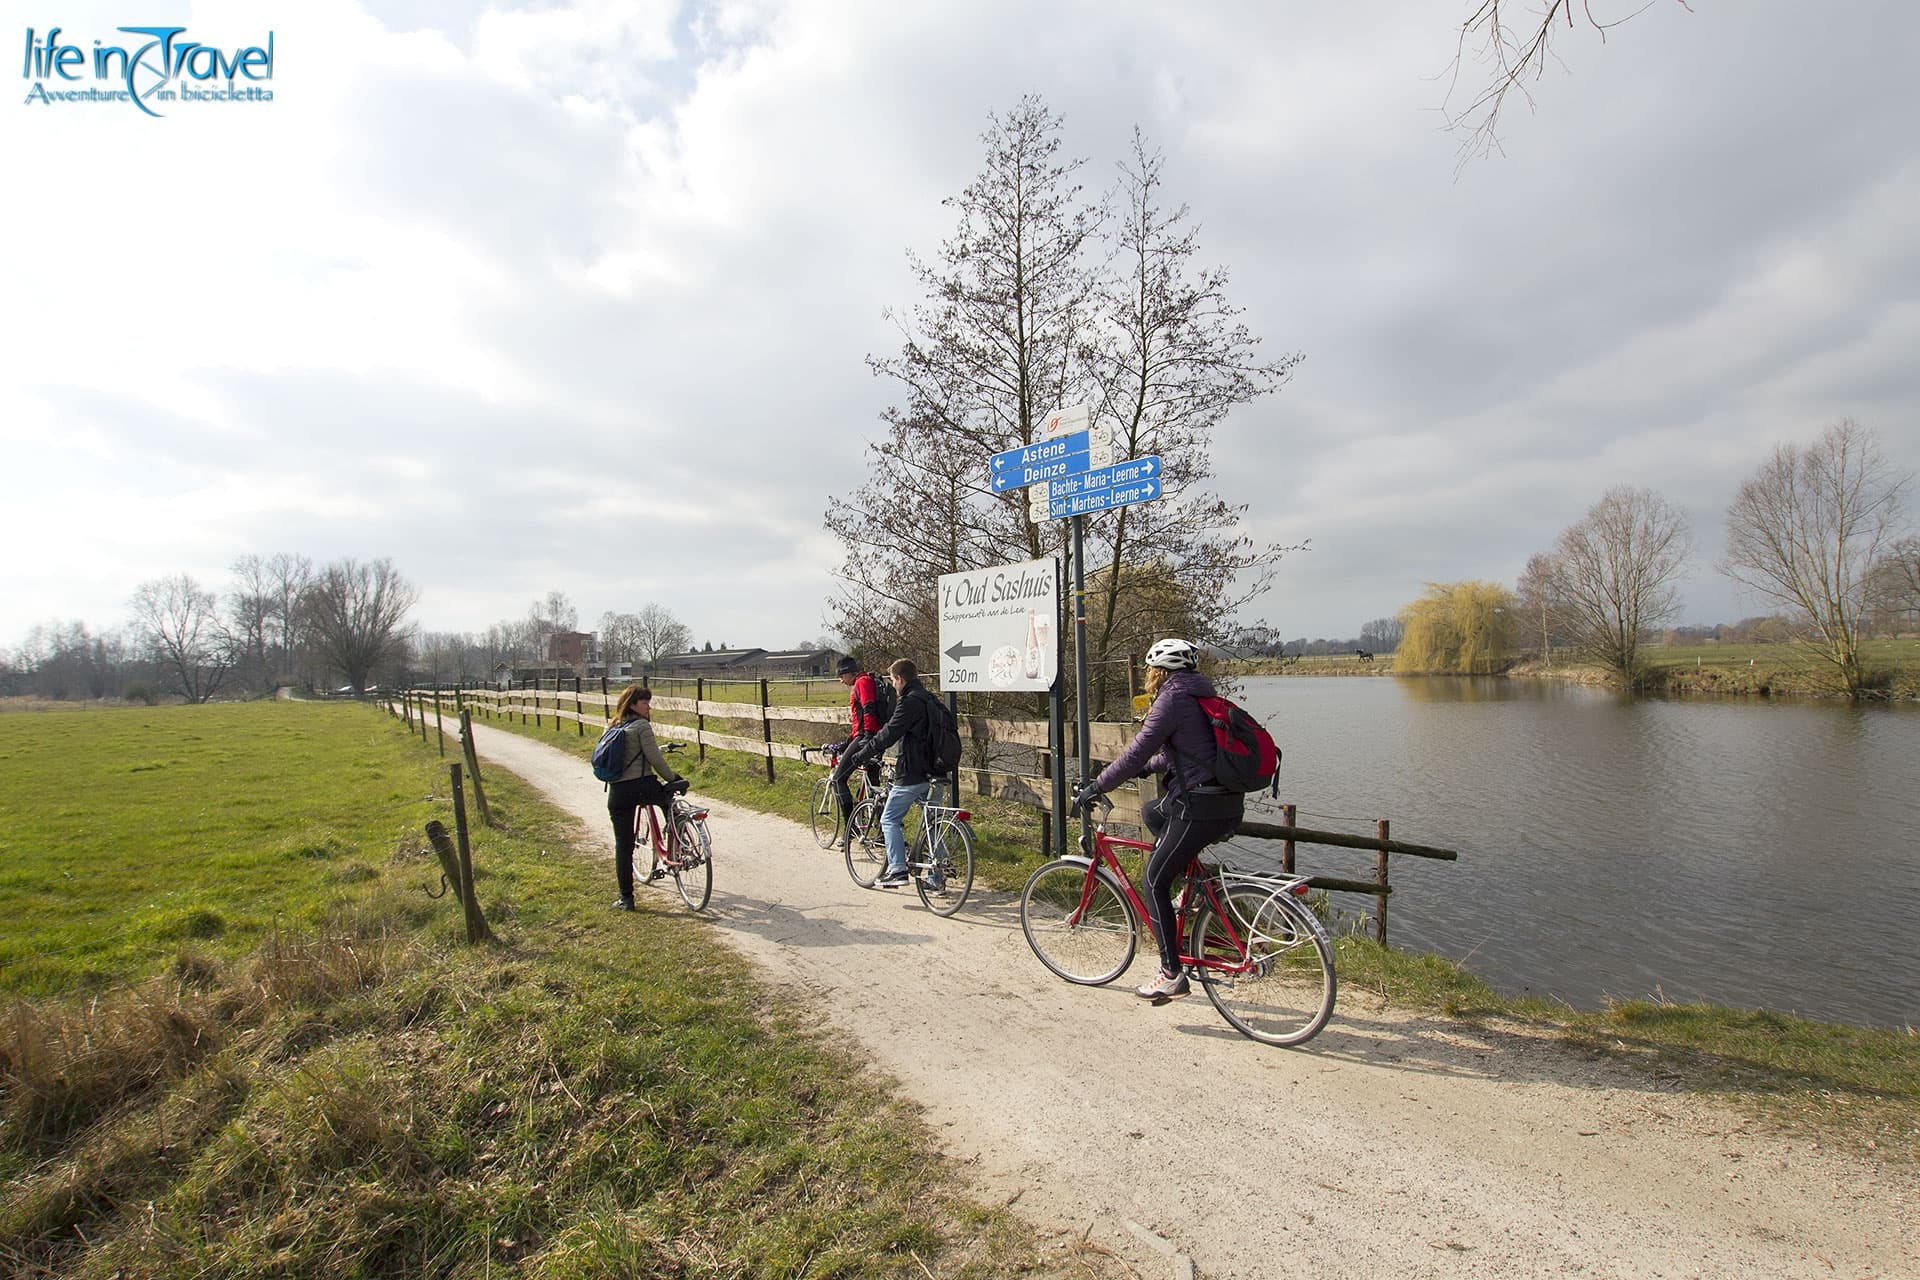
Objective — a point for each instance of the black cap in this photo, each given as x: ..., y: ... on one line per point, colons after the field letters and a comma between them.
x: 848, y: 666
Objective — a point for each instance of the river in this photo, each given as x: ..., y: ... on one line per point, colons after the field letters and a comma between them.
x: 1749, y: 853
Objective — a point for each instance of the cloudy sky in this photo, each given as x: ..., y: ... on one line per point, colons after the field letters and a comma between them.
x: 577, y: 296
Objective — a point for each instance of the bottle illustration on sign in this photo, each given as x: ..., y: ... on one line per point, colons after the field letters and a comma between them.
x: 1039, y: 628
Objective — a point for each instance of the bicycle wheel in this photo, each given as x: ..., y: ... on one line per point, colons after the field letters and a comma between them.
x: 946, y: 847
x: 1090, y: 944
x: 826, y: 814
x: 866, y: 852
x: 1283, y: 991
x: 693, y: 877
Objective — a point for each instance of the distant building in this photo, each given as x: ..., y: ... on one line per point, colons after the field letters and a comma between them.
x: 579, y: 650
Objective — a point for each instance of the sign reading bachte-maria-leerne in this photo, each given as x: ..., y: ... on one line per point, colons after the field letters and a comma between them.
x: 160, y: 67
x: 997, y: 627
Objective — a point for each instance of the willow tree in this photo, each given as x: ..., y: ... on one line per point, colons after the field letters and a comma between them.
x: 1041, y: 300
x: 1456, y: 628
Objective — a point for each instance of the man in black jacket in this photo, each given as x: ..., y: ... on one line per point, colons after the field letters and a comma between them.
x: 912, y: 727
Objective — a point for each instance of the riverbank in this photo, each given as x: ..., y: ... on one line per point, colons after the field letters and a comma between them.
x: 1754, y: 671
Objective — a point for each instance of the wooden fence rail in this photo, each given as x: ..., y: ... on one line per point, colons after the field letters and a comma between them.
x: 580, y: 706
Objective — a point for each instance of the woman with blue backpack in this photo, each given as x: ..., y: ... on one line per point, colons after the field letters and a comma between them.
x: 1176, y: 740
x: 643, y: 778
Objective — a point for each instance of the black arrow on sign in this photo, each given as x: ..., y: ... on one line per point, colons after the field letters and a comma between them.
x: 963, y: 650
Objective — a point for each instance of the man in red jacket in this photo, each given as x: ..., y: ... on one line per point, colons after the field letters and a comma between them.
x: 868, y: 716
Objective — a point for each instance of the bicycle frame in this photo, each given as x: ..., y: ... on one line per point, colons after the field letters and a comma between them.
x: 1196, y: 875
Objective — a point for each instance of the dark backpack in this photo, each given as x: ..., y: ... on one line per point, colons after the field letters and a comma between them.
x: 943, y: 739
x: 1244, y: 756
x: 885, y: 699
x: 610, y: 753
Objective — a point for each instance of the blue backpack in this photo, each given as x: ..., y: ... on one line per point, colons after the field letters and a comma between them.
x: 610, y: 753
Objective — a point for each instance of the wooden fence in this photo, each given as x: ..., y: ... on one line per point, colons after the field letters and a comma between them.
x: 584, y: 710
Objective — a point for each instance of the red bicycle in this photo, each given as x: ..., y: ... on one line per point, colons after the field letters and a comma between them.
x: 1261, y: 954
x: 681, y: 846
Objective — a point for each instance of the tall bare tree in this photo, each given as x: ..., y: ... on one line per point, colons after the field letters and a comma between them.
x: 659, y: 634
x: 1170, y: 358
x: 1806, y: 530
x: 1382, y: 635
x: 1042, y: 301
x: 288, y: 576
x: 1613, y: 575
x: 1540, y: 604
x: 250, y: 621
x: 180, y: 623
x: 992, y: 352
x: 358, y: 612
x: 620, y: 638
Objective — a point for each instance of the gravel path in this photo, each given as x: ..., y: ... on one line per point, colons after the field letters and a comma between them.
x: 1394, y: 1144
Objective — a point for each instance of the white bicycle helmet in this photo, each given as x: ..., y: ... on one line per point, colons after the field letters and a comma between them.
x: 1174, y: 655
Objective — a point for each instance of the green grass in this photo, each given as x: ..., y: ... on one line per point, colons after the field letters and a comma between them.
x: 328, y: 1082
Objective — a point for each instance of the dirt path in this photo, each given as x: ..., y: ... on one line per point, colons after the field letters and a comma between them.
x: 1393, y: 1145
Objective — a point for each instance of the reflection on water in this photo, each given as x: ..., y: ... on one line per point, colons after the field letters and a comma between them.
x: 1744, y: 852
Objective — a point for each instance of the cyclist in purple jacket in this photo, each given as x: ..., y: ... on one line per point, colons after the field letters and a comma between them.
x: 1193, y: 810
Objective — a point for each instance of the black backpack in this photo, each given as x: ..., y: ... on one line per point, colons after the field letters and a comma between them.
x: 943, y: 738
x: 885, y: 699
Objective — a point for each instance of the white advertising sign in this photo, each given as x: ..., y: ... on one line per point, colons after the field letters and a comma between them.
x: 997, y: 627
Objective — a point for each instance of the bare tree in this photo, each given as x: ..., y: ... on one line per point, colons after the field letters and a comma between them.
x: 1612, y: 575
x: 288, y: 576
x: 982, y: 363
x: 659, y: 634
x: 1894, y: 588
x: 1806, y: 531
x: 620, y: 638
x: 250, y: 620
x: 359, y: 614
x: 1382, y: 635
x: 1169, y: 359
x: 1540, y: 603
x: 180, y: 623
x: 1514, y: 50
x: 1022, y: 319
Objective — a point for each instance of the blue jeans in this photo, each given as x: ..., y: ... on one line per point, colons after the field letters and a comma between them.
x: 893, y: 822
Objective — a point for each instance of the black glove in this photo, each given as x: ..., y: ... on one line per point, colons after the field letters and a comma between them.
x: 1083, y: 803
x: 679, y: 786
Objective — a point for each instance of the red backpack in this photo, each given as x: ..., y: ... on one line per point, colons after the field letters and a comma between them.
x: 1245, y: 758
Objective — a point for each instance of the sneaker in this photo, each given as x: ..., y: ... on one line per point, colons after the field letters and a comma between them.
x: 623, y: 904
x: 893, y: 880
x: 1164, y: 987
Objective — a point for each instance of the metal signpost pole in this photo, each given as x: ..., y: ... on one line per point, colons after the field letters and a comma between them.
x: 1081, y: 725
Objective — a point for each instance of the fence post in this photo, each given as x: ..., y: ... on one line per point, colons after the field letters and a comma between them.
x: 477, y: 930
x: 556, y: 699
x: 1380, y: 878
x: 1287, y: 814
x: 439, y: 727
x: 423, y: 714
x: 579, y: 712
x: 473, y: 767
x: 700, y: 721
x: 766, y: 727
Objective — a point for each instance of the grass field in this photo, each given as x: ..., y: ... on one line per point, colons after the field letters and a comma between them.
x: 239, y: 1040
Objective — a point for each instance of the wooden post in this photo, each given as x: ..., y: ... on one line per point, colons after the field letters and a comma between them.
x: 438, y: 726
x: 1287, y: 814
x: 459, y: 700
x: 449, y: 859
x: 1380, y: 878
x: 1046, y: 815
x: 700, y: 721
x: 477, y: 930
x: 406, y: 712
x: 423, y: 716
x: 579, y: 712
x: 766, y: 727
x: 556, y: 699
x: 473, y: 768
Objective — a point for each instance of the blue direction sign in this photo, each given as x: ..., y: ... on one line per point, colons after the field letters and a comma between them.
x: 1062, y: 455
x: 1102, y: 488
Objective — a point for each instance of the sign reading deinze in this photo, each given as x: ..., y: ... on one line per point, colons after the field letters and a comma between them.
x: 996, y: 627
